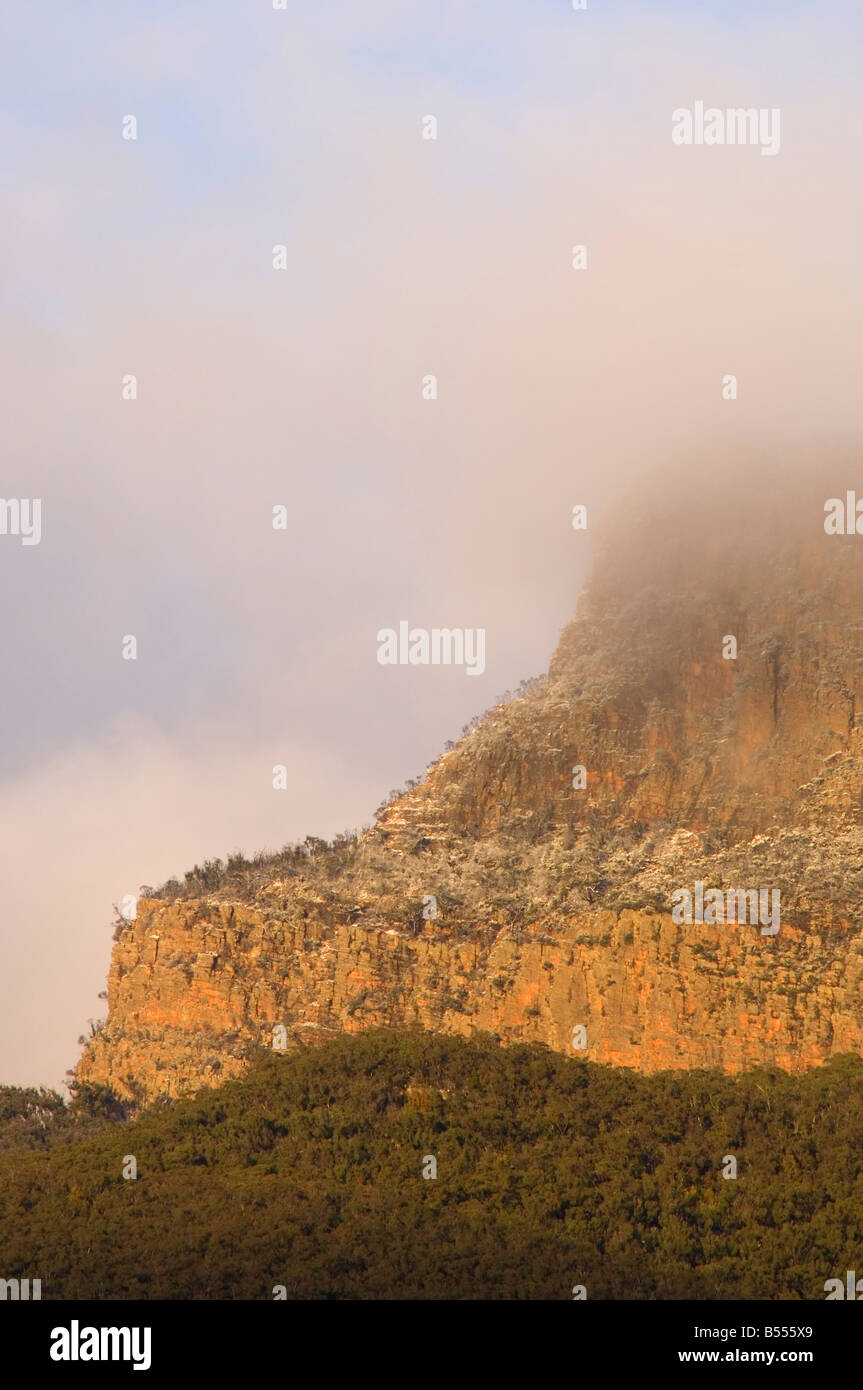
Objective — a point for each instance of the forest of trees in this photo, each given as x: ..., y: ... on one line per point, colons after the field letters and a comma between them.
x: 551, y: 1172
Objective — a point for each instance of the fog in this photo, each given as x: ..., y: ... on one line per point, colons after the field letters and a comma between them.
x: 303, y: 387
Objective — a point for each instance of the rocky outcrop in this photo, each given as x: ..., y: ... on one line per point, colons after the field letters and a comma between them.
x: 651, y: 994
x: 498, y: 895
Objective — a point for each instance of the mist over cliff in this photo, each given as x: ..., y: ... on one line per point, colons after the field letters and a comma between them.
x: 695, y: 741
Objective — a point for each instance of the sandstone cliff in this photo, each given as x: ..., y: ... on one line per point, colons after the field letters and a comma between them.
x: 553, y: 904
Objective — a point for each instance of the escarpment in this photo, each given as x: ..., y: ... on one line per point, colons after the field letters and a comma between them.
x: 526, y: 887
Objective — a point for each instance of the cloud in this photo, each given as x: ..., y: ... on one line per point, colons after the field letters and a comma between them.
x: 83, y: 831
x: 303, y: 387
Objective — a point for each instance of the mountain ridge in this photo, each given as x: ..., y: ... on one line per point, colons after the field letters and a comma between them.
x: 498, y: 895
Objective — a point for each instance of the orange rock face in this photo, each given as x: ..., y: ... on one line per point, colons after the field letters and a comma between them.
x: 554, y: 904
x: 651, y: 994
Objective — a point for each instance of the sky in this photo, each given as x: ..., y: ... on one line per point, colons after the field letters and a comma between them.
x: 302, y: 387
